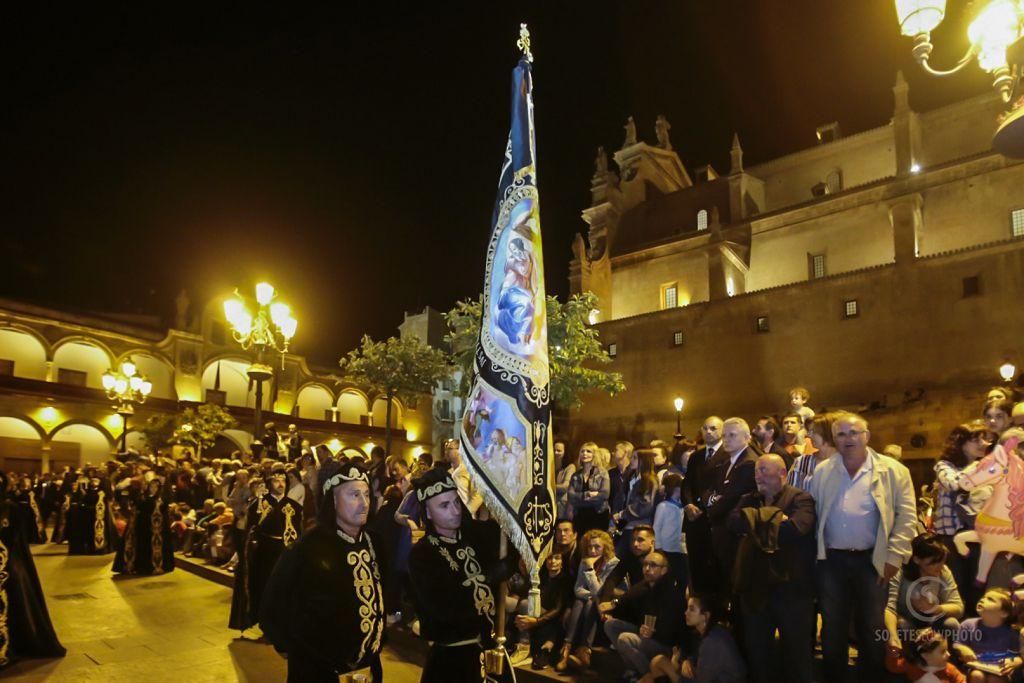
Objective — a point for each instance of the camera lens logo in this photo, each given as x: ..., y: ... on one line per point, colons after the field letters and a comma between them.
x: 923, y: 597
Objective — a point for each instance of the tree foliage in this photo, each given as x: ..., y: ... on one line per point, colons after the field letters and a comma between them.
x: 574, y: 348
x: 403, y: 368
x: 198, y: 428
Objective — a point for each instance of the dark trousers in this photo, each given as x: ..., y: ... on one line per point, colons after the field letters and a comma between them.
x: 703, y: 565
x: 790, y: 609
x: 848, y: 588
x: 679, y: 568
x: 448, y: 664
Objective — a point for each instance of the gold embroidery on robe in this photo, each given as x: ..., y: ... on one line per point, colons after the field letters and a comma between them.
x: 289, y: 535
x: 371, y: 612
x: 100, y: 536
x: 157, y: 531
x: 483, y: 598
x: 39, y: 518
x: 5, y: 635
x: 264, y: 510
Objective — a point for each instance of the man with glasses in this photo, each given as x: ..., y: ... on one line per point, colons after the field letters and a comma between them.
x: 867, y: 518
x: 645, y: 623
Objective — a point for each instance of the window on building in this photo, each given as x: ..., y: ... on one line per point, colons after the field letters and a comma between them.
x: 850, y: 308
x: 834, y: 181
x: 677, y: 338
x: 613, y: 350
x: 6, y: 367
x: 762, y: 323
x: 702, y: 219
x: 816, y: 265
x: 1017, y: 222
x: 328, y: 415
x: 669, y: 295
x: 444, y: 410
x: 216, y: 397
x: 74, y: 377
x: 971, y: 286
x: 364, y: 420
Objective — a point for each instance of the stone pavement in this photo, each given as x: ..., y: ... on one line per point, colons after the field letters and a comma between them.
x: 154, y: 629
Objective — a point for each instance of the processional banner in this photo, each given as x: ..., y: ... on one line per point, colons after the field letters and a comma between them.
x: 506, y: 428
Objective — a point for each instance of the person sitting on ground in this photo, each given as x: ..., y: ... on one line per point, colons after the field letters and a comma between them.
x: 644, y: 623
x: 566, y: 545
x: 923, y: 593
x: 925, y: 659
x: 596, y: 568
x: 544, y: 633
x: 716, y: 658
x: 629, y: 571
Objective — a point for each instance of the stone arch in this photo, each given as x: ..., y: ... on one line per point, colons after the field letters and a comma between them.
x: 136, y: 441
x: 21, y: 444
x: 314, y: 401
x: 380, y: 411
x: 353, y: 405
x: 154, y: 367
x: 234, y: 382
x: 88, y: 439
x: 239, y: 437
x: 83, y: 354
x: 27, y: 348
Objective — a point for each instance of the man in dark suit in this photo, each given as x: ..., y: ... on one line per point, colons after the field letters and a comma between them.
x: 775, y: 589
x: 695, y: 524
x: 727, y: 477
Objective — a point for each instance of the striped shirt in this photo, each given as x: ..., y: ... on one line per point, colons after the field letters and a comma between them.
x: 945, y: 520
x: 801, y: 471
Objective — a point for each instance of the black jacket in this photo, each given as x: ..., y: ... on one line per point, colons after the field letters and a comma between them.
x: 663, y: 601
x: 723, y: 487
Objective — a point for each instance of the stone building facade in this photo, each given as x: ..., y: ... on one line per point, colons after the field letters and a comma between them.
x: 53, y: 410
x: 883, y: 270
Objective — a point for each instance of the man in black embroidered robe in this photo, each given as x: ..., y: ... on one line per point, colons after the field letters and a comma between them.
x: 324, y: 603
x: 448, y: 569
x: 273, y: 524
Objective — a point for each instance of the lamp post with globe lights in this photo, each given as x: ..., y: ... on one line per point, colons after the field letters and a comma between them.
x: 270, y: 328
x: 126, y: 387
x: 996, y: 37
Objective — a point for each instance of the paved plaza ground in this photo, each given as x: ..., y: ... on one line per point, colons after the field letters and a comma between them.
x: 154, y: 629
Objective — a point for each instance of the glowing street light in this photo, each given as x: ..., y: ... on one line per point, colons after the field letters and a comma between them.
x: 1007, y: 371
x: 995, y: 37
x: 679, y: 416
x: 126, y: 387
x: 271, y: 328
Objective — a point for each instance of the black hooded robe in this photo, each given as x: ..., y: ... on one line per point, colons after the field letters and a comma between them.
x: 271, y: 526
x: 25, y: 627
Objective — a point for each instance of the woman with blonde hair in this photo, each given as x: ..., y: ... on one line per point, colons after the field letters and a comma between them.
x: 589, y: 490
x: 596, y: 567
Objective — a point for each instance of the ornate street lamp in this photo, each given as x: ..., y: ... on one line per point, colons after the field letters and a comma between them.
x: 271, y: 328
x: 679, y: 417
x: 126, y: 387
x: 995, y: 37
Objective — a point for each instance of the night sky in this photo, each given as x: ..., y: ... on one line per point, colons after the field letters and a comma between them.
x: 350, y: 153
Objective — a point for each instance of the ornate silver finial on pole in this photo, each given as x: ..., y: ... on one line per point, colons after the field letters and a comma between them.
x: 524, y: 42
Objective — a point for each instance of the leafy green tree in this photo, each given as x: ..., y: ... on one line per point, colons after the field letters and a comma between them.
x: 158, y: 430
x: 198, y: 428
x: 574, y: 348
x: 398, y: 368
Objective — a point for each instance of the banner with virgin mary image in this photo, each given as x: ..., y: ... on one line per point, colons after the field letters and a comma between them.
x: 506, y: 428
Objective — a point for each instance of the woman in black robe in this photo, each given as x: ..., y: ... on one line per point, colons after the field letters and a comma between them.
x: 25, y: 627
x: 94, y: 523
x: 31, y: 518
x: 148, y: 547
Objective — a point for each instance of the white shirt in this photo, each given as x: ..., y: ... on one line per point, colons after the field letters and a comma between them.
x: 854, y: 518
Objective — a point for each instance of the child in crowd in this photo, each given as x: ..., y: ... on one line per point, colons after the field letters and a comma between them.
x: 668, y: 529
x: 924, y: 658
x: 988, y: 643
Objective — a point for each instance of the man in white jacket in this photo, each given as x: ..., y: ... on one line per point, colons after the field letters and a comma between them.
x: 867, y: 517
